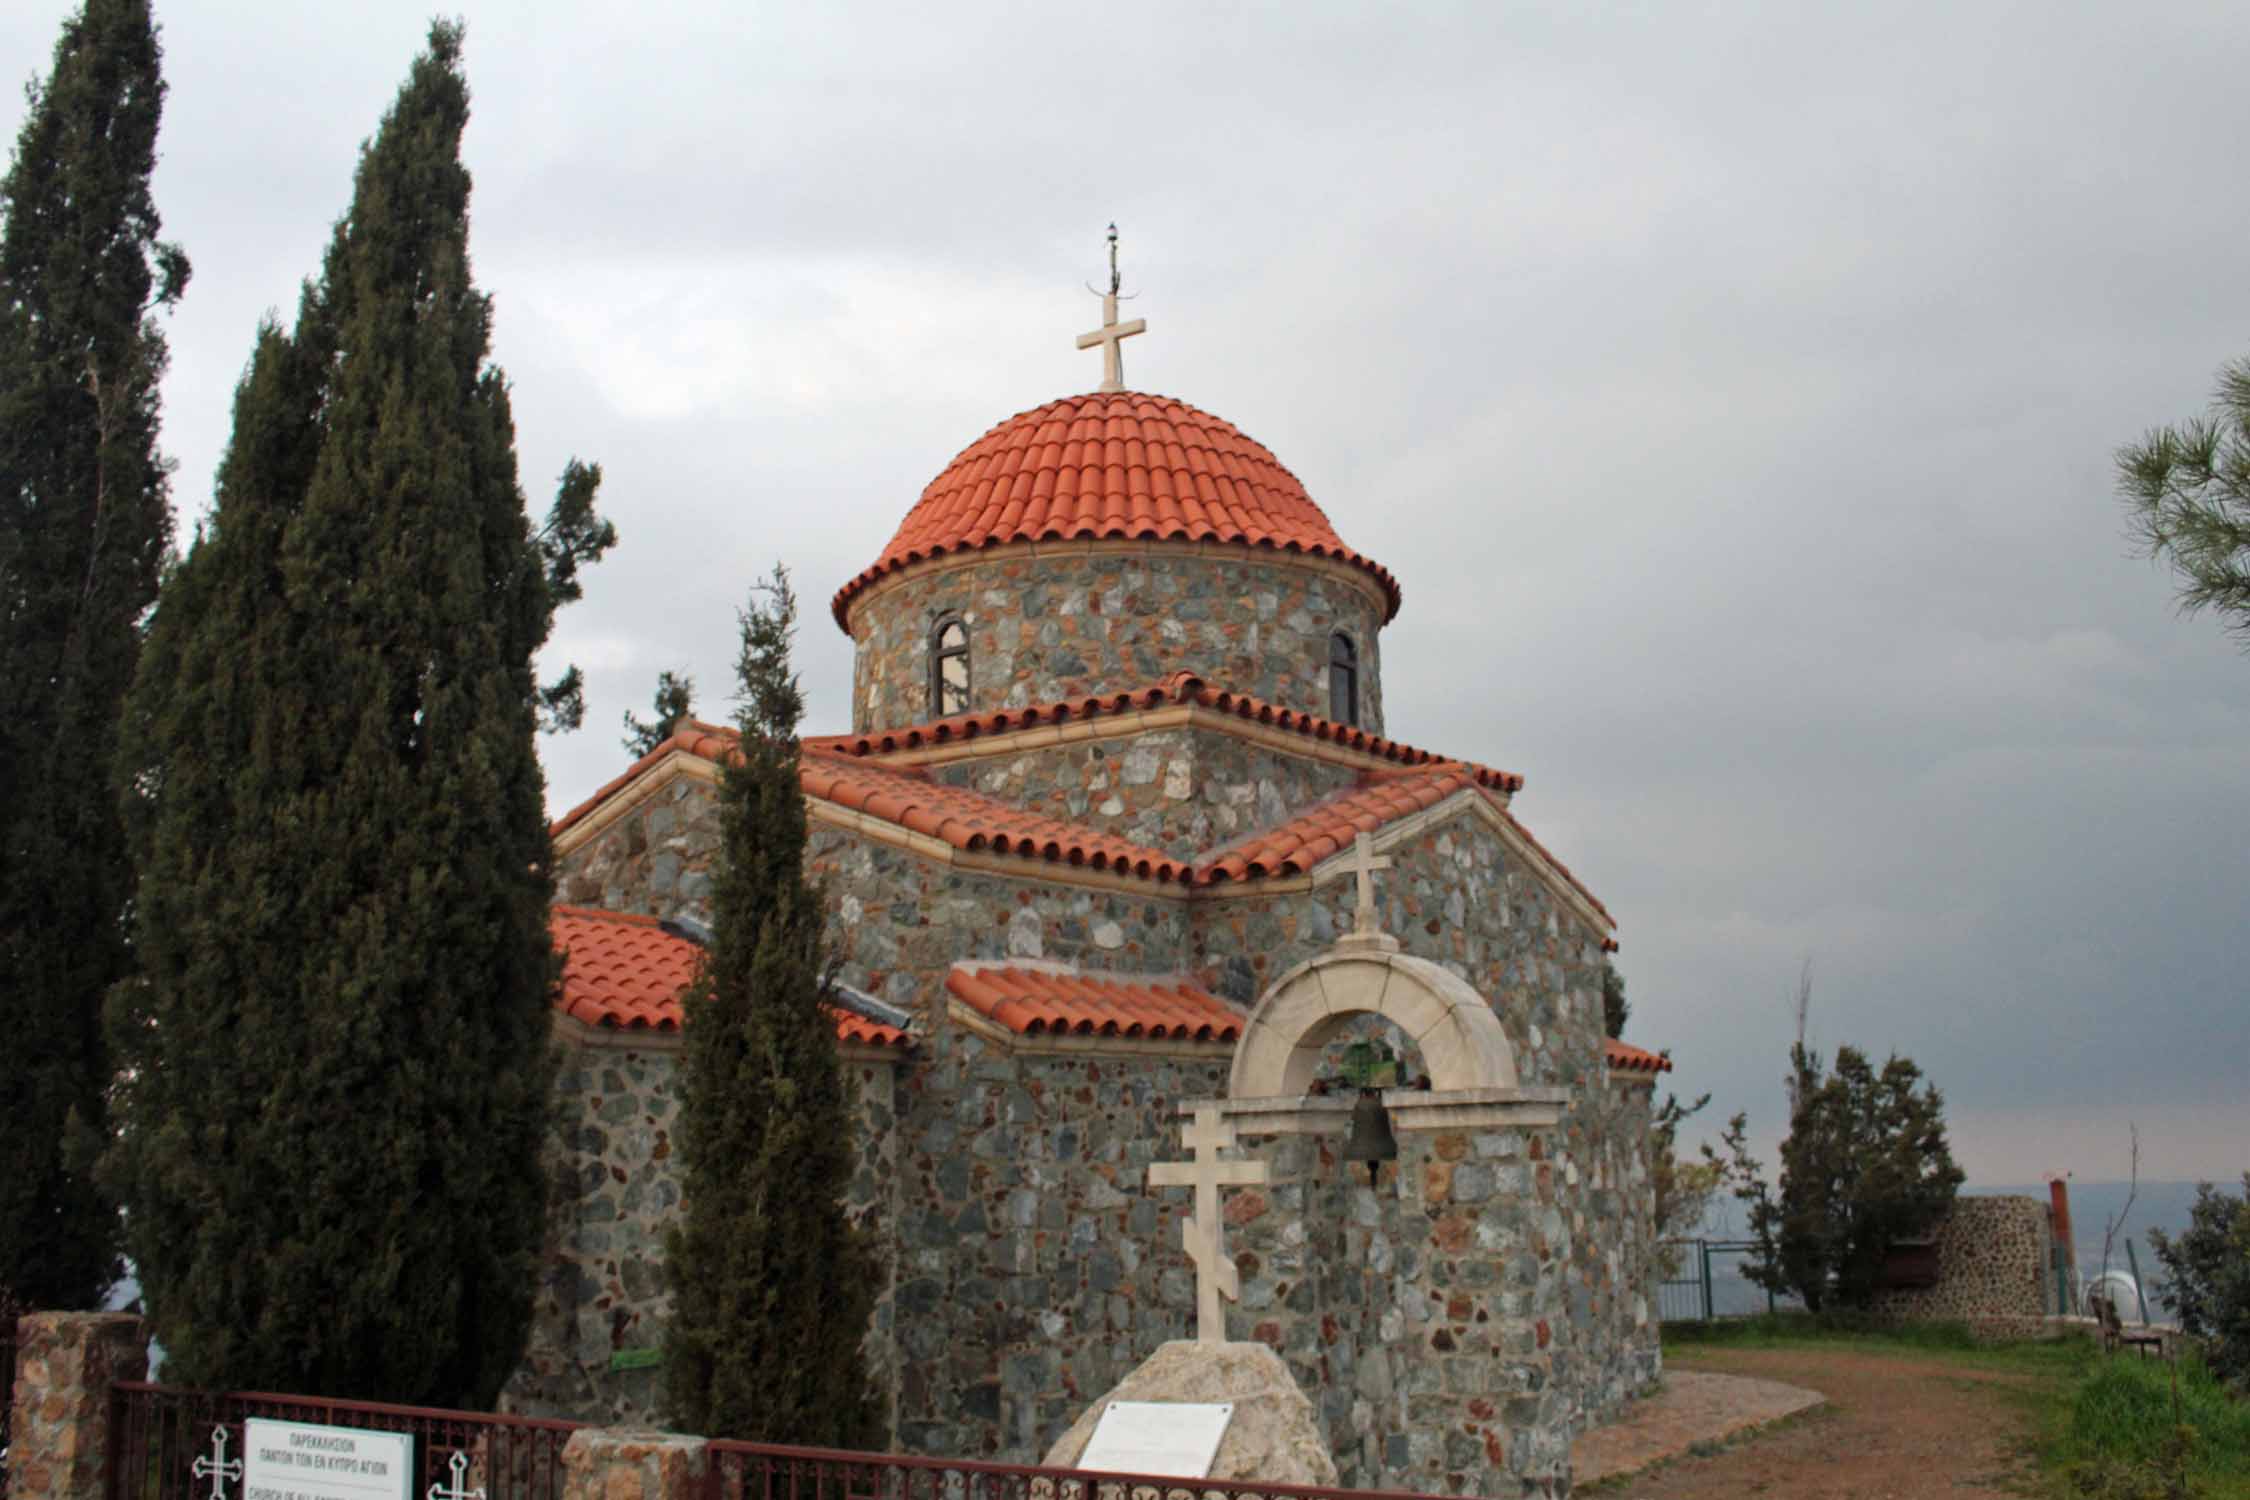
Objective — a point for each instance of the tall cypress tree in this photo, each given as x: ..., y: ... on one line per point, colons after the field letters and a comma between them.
x: 338, y: 1068
x: 772, y: 1285
x: 85, y: 519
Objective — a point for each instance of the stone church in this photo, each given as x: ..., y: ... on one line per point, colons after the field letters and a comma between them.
x: 1092, y: 853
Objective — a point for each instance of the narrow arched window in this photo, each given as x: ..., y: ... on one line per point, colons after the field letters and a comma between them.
x: 1343, y: 679
x: 949, y: 669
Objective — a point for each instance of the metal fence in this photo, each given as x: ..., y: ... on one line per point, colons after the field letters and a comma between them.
x: 766, y: 1471
x: 166, y: 1443
x: 7, y: 1385
x: 1709, y: 1283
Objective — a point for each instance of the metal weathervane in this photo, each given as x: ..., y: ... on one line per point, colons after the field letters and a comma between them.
x: 1112, y: 332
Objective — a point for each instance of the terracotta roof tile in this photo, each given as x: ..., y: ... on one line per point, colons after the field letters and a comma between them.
x: 620, y: 971
x: 1327, y: 827
x: 1180, y: 688
x: 624, y: 972
x: 1094, y: 466
x: 1035, y: 1002
x: 973, y: 822
x: 847, y: 770
x: 1622, y: 1057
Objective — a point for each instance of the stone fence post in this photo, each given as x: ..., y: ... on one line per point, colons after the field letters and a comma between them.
x: 628, y: 1463
x: 58, y: 1439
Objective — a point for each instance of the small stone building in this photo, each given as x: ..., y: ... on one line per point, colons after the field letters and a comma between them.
x: 1117, y: 719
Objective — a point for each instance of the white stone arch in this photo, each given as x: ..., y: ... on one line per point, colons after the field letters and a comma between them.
x: 1460, y: 1039
x: 1473, y: 1079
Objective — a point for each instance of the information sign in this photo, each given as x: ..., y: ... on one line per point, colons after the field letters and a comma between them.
x: 299, y: 1461
x: 1173, y: 1439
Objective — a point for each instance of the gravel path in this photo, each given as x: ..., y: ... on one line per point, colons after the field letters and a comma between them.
x: 1894, y: 1426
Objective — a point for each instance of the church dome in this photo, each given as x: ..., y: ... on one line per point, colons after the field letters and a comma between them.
x: 1113, y: 464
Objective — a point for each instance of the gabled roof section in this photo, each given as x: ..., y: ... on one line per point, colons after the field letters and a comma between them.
x: 974, y: 823
x: 1042, y: 1002
x: 877, y: 777
x: 1623, y: 1057
x: 1119, y: 464
x: 1328, y: 827
x: 626, y: 972
x: 696, y: 738
x: 1181, y: 689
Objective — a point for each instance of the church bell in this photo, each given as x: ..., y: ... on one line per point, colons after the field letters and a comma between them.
x: 1371, y: 1139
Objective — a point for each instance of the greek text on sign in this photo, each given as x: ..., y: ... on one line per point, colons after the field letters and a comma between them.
x: 298, y: 1461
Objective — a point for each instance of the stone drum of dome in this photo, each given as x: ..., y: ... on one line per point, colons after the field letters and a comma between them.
x: 1097, y: 544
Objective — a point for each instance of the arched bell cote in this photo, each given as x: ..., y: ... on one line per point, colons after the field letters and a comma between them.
x: 1473, y: 1080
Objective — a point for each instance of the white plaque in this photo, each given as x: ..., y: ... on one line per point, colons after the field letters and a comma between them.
x: 298, y: 1461
x: 1171, y: 1439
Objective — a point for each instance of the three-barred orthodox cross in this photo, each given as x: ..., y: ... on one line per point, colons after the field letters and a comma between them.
x: 1204, y: 1231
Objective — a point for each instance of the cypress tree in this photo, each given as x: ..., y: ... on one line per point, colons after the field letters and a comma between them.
x: 337, y: 1055
x: 772, y: 1285
x: 674, y: 700
x: 85, y: 520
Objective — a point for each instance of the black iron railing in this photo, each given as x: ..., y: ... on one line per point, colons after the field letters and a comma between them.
x: 160, y: 1434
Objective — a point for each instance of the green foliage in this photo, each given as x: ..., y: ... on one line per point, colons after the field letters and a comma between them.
x: 2140, y: 1429
x: 773, y: 1286
x: 1615, y: 1012
x: 337, y: 1075
x: 85, y: 521
x: 1865, y: 1165
x: 2208, y: 1266
x: 674, y: 701
x: 2187, y: 491
x: 1683, y: 1188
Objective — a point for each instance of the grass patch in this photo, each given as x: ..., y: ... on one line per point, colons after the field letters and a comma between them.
x: 2057, y: 1358
x: 2114, y: 1433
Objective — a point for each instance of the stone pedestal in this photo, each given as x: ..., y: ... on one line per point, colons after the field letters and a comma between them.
x: 628, y: 1463
x: 59, y: 1428
x: 1273, y: 1435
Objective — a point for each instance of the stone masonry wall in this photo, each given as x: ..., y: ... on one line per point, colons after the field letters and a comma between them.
x: 1035, y: 1269
x: 1460, y: 898
x: 615, y: 1191
x: 900, y: 922
x: 655, y: 860
x: 58, y: 1433
x: 1002, y: 1324
x: 1063, y: 624
x: 1992, y: 1271
x: 1184, y: 791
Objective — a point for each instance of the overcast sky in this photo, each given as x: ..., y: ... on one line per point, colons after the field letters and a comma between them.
x: 1732, y: 389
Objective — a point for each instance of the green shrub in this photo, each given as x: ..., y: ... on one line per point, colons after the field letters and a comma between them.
x: 2118, y: 1436
x: 2208, y: 1266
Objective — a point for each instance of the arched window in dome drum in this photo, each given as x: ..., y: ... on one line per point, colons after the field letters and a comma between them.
x: 1343, y: 680
x: 949, y: 668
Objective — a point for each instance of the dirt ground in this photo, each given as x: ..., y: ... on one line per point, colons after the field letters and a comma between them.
x: 1896, y: 1425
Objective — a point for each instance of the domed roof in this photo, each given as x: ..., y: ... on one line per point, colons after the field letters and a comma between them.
x: 1113, y: 464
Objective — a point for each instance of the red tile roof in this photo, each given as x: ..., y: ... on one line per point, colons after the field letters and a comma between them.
x: 1112, y: 464
x: 1184, y: 688
x: 1625, y: 1058
x: 624, y: 972
x: 973, y: 822
x: 1327, y: 827
x: 1034, y: 1002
